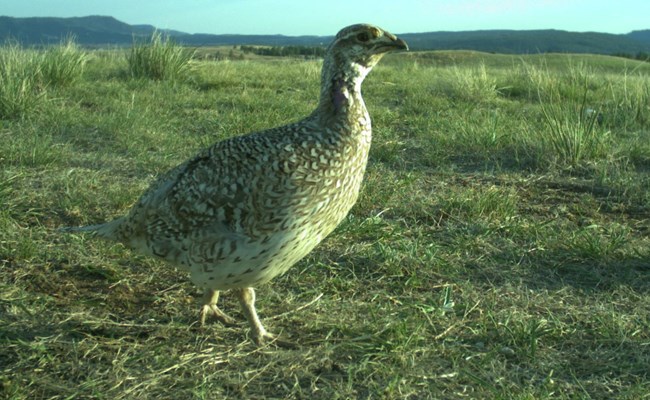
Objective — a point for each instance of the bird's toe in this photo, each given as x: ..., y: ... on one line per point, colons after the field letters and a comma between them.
x: 210, y: 310
x: 270, y: 339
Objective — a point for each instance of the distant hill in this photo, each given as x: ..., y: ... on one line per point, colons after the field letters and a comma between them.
x: 643, y: 36
x: 92, y: 30
x: 533, y: 41
x: 102, y: 30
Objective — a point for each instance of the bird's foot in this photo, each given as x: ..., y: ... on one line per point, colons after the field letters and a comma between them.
x: 267, y: 338
x: 213, y: 310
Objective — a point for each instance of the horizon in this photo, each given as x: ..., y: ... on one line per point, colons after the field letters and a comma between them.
x: 298, y: 35
x: 259, y: 17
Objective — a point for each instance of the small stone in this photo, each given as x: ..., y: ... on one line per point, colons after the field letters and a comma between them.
x: 507, y: 351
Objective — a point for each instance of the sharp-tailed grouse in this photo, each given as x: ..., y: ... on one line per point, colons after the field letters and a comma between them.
x: 248, y: 208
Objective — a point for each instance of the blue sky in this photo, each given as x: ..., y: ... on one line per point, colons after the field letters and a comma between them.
x: 327, y: 17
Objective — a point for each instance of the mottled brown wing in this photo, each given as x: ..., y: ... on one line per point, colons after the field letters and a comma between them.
x: 234, y: 188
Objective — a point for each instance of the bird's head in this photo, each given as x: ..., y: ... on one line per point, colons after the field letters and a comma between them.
x: 361, y: 46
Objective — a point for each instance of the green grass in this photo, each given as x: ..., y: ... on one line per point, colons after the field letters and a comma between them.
x: 21, y: 91
x: 158, y: 59
x: 499, y: 248
x: 64, y: 64
x: 26, y: 75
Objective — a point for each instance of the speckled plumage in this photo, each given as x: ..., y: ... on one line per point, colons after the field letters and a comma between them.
x: 248, y: 208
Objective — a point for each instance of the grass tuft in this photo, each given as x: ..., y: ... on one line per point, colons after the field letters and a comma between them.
x: 21, y: 88
x: 159, y: 59
x: 64, y: 64
x: 26, y: 74
x: 572, y: 134
x: 473, y: 84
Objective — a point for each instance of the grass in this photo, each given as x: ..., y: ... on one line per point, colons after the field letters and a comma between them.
x: 26, y: 75
x: 499, y: 248
x: 20, y: 88
x: 158, y: 59
x: 64, y: 64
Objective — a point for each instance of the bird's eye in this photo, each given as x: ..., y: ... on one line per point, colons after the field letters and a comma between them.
x: 363, y: 37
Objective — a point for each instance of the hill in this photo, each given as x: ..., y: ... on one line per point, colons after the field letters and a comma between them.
x: 103, y: 30
x: 533, y: 41
x: 642, y: 36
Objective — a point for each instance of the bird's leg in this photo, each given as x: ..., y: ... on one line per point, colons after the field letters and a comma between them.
x: 246, y: 298
x: 210, y: 298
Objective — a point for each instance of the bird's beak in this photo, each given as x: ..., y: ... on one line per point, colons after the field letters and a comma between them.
x: 390, y: 42
x: 401, y: 45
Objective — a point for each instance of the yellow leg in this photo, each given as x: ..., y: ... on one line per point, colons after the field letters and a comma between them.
x: 209, y: 307
x: 259, y: 335
x: 247, y: 300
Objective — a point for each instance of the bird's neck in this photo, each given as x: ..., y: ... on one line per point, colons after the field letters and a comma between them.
x: 340, y: 96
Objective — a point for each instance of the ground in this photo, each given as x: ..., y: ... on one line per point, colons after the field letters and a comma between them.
x: 499, y: 248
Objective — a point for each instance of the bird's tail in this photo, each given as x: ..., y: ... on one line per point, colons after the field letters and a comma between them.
x: 106, y: 230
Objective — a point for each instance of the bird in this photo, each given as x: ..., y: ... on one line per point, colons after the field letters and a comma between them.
x: 247, y: 208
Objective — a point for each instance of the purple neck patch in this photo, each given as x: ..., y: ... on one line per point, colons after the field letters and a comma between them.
x: 339, y: 94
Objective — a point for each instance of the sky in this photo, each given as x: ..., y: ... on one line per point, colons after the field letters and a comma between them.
x: 327, y: 17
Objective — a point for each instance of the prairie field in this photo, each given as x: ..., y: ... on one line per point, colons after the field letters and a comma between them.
x: 499, y: 249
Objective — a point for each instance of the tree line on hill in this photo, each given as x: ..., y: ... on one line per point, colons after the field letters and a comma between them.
x: 641, y: 56
x: 286, y: 51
